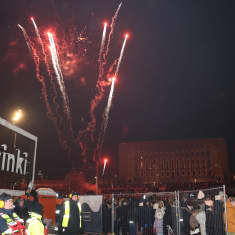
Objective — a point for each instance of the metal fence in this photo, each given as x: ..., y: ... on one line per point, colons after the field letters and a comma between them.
x: 166, y: 213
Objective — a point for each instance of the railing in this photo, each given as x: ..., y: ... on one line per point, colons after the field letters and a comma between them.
x: 177, y: 213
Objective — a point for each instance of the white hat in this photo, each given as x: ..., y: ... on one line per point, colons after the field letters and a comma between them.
x: 200, y: 195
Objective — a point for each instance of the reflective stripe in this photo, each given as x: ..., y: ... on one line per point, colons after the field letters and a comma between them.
x: 15, y: 216
x: 8, y: 231
x: 8, y: 220
x: 57, y: 212
x: 80, y: 212
x: 65, y: 221
x: 15, y: 226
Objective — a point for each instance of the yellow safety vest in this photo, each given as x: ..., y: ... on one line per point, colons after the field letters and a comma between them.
x: 65, y: 221
x: 34, y: 225
x: 80, y: 213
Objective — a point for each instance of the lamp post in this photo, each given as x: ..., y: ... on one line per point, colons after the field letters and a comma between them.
x: 16, y: 118
x: 96, y: 185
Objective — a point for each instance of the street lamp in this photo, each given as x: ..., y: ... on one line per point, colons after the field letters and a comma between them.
x: 16, y: 118
x: 96, y: 185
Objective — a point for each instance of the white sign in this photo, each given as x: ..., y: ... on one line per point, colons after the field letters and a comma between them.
x: 17, y: 160
x: 15, y: 164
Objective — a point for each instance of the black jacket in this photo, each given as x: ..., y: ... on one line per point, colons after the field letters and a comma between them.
x: 146, y: 215
x: 74, y: 217
x: 3, y: 223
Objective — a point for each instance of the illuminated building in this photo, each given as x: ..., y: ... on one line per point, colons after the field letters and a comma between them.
x: 184, y: 161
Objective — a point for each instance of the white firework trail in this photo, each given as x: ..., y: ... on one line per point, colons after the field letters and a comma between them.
x: 102, y: 42
x: 105, y: 162
x: 121, y: 55
x: 111, y: 31
x: 26, y: 37
x: 107, y: 109
x: 38, y: 34
x: 58, y: 72
x: 109, y: 103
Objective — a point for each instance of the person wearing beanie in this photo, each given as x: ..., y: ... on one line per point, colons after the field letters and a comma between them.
x: 34, y: 225
x: 10, y: 223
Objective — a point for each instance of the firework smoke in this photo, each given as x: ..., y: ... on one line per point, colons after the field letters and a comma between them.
x: 101, y: 84
x: 37, y: 63
x: 48, y: 60
x: 57, y: 119
x: 114, y: 18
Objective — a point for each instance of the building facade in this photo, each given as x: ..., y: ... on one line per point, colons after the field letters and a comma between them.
x: 185, y: 161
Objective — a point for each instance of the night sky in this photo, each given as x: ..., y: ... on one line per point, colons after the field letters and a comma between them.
x: 176, y: 80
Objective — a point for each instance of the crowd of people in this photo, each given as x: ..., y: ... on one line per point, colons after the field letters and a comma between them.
x: 203, y: 212
x: 24, y: 215
x: 155, y: 214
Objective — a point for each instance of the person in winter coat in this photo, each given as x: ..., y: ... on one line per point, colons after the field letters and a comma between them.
x: 34, y: 225
x: 167, y: 219
x: 230, y: 205
x: 214, y: 220
x: 70, y: 216
x: 201, y: 215
x: 132, y: 217
x: 186, y: 213
x: 21, y: 210
x: 146, y: 217
x: 159, y: 214
x: 107, y: 217
x: 10, y: 223
x: 124, y: 225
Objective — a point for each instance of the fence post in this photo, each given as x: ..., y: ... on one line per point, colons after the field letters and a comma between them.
x: 178, y: 193
x: 176, y: 212
x: 113, y: 213
x: 225, y: 210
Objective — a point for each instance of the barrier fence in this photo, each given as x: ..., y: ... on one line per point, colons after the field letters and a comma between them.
x: 166, y: 213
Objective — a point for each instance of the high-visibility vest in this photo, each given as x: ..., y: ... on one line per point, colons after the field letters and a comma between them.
x: 65, y: 221
x: 16, y: 225
x: 34, y: 225
x: 80, y: 213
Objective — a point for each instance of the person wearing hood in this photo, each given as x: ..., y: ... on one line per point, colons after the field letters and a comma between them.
x: 10, y: 222
x: 34, y: 225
